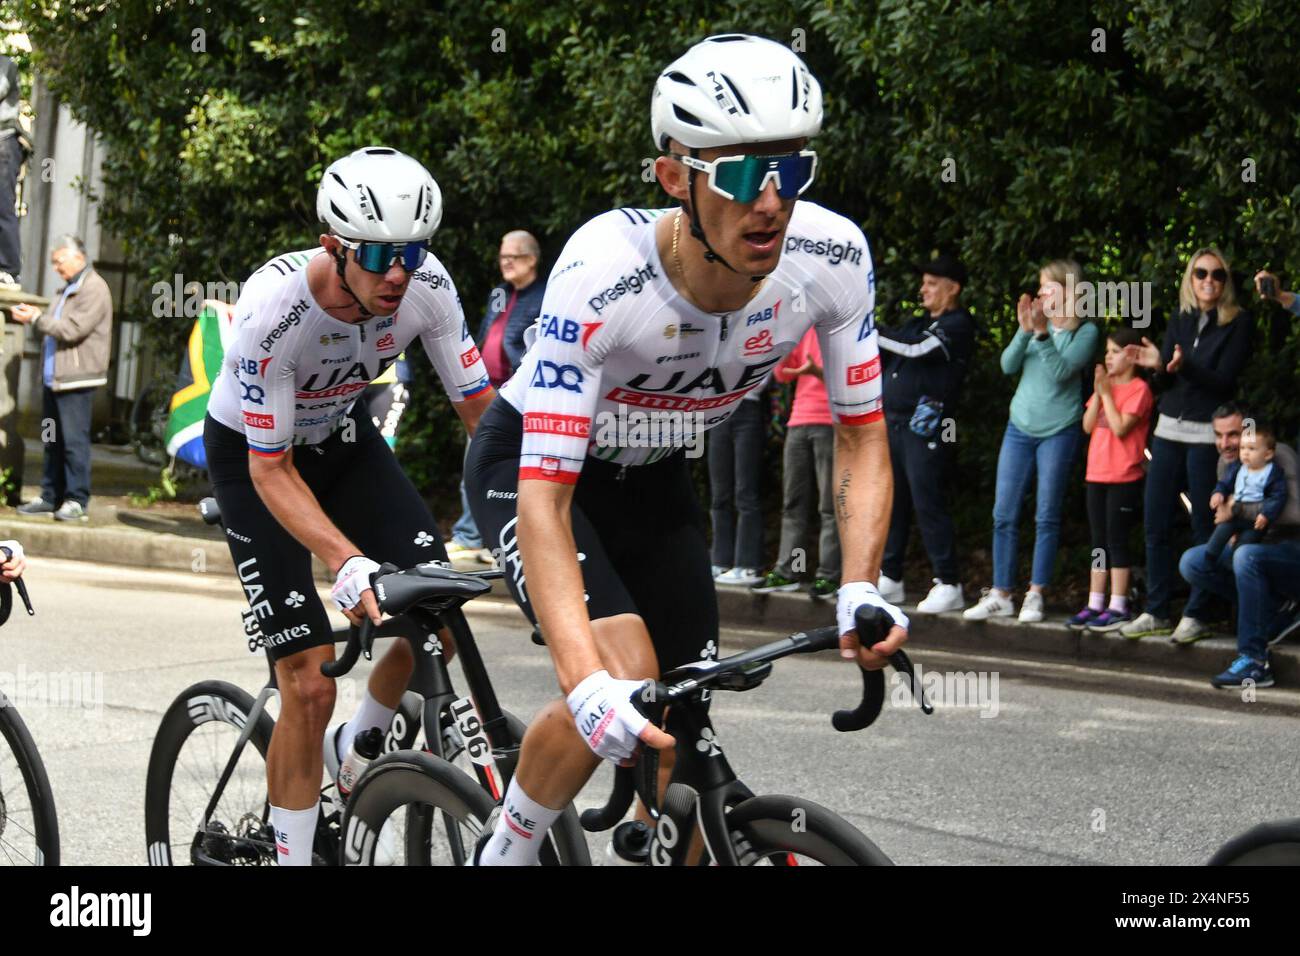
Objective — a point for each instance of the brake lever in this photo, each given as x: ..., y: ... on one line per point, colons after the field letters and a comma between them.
x: 903, y: 664
x: 874, y: 623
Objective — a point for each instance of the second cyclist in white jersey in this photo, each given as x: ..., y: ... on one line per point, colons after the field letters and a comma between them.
x: 296, y: 472
x: 655, y: 324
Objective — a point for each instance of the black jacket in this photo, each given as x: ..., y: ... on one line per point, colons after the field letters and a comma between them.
x: 1211, y: 364
x: 925, y: 356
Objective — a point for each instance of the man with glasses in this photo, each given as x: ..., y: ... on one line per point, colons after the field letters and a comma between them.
x: 297, y: 474
x: 74, y: 363
x: 672, y: 316
x: 512, y: 307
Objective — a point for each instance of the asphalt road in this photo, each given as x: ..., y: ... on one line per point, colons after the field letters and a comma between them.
x: 1057, y: 775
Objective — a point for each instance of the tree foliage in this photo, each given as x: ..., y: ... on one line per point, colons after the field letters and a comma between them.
x: 1122, y: 133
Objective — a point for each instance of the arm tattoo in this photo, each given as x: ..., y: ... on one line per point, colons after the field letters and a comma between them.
x: 842, y: 496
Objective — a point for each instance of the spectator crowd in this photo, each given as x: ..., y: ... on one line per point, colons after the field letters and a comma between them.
x: 1161, y: 429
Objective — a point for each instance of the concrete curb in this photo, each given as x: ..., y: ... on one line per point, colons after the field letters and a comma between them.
x: 775, y: 614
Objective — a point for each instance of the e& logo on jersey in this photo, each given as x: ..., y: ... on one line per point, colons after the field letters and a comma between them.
x: 551, y: 375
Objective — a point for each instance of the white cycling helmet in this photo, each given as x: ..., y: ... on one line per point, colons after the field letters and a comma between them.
x: 377, y: 194
x: 734, y: 88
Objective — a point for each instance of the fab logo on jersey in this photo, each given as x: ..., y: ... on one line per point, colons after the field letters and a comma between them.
x: 551, y: 375
x: 248, y: 366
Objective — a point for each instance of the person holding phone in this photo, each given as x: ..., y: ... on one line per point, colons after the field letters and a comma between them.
x: 1270, y: 287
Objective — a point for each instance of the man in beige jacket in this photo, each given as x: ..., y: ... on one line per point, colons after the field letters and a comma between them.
x: 74, y: 361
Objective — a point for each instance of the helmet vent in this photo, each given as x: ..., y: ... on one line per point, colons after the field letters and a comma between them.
x: 419, y: 202
x: 339, y: 179
x: 740, y: 100
x: 374, y: 201
x: 794, y: 89
x: 677, y: 77
x: 686, y: 117
x: 339, y: 212
x: 380, y: 151
x: 728, y: 37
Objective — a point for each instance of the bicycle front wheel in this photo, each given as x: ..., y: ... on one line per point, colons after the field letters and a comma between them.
x: 29, y: 830
x: 789, y: 831
x: 1269, y: 844
x: 193, y: 747
x: 415, y: 809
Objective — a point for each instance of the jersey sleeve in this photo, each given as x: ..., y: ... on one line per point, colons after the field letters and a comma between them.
x: 564, y: 369
x: 849, y: 342
x: 449, y: 346
x: 265, y: 369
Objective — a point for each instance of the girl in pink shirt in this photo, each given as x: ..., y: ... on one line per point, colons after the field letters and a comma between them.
x: 1118, y: 416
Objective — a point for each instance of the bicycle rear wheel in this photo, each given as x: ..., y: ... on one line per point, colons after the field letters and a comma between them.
x: 415, y: 808
x: 190, y: 752
x: 789, y: 831
x: 29, y: 829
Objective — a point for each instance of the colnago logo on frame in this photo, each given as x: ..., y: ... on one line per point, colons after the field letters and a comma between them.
x: 74, y: 908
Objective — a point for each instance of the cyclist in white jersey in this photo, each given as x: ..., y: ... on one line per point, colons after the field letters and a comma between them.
x: 296, y: 473
x: 679, y: 313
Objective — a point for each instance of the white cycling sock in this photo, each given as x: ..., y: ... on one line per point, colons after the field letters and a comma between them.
x: 370, y: 713
x: 295, y: 831
x: 517, y: 840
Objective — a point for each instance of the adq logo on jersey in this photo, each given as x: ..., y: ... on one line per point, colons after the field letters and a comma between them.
x: 551, y: 375
x: 254, y: 394
x: 759, y: 344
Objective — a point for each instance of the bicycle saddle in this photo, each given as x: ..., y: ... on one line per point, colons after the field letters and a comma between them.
x: 429, y: 585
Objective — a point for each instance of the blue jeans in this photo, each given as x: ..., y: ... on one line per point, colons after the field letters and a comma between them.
x: 1258, y: 577
x: 735, y: 450
x: 1175, y: 466
x: 1020, y: 458
x: 465, y: 531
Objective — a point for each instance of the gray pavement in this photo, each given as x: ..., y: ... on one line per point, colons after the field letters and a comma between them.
x: 1071, y: 769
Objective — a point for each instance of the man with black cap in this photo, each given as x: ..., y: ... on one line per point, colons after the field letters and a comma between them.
x: 923, y: 364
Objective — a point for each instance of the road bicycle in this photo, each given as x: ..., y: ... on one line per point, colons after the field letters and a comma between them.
x: 205, y: 797
x: 29, y: 827
x: 737, y: 827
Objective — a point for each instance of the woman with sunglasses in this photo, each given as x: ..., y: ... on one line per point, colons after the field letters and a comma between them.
x: 1196, y: 370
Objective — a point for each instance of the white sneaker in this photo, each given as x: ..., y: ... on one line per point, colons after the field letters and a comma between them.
x: 718, y: 571
x: 1031, y: 611
x: 890, y: 590
x: 942, y: 597
x: 990, y: 604
x: 742, y: 577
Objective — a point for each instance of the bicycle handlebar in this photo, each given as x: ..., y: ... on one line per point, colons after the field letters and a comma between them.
x: 748, y: 669
x: 6, y: 593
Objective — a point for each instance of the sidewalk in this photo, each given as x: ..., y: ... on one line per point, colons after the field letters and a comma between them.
x: 171, y: 535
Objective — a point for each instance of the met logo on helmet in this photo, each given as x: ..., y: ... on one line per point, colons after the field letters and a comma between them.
x: 551, y: 375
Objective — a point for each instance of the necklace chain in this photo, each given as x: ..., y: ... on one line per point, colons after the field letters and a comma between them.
x: 677, y: 262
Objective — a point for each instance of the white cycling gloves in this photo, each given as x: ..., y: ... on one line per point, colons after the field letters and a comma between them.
x: 602, y: 709
x: 352, y: 579
x: 853, y: 595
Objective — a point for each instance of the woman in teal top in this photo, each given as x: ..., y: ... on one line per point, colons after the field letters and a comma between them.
x: 1049, y: 352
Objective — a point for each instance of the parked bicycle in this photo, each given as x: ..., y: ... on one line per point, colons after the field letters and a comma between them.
x: 738, y: 828
x: 29, y: 827
x: 205, y: 796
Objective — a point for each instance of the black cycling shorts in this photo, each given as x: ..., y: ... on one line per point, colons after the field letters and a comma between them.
x: 360, y: 487
x: 639, y: 532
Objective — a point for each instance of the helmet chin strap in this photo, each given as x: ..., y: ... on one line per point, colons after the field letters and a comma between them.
x: 340, y: 262
x: 697, y: 230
